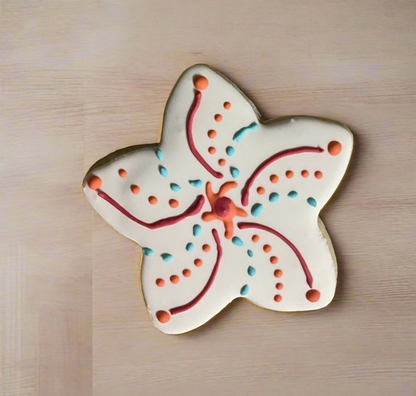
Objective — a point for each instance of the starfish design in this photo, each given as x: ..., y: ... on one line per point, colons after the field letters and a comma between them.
x: 222, y: 208
x: 272, y: 180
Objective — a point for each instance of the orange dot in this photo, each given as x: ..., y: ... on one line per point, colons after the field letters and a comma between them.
x: 174, y: 278
x: 255, y: 238
x: 206, y: 248
x: 222, y: 162
x: 173, y: 203
x: 274, y: 260
x: 305, y: 173
x: 211, y: 134
x: 278, y: 273
x: 274, y: 178
x: 186, y: 273
x: 279, y: 286
x: 318, y: 174
x: 227, y: 105
x: 200, y: 82
x: 289, y: 174
x: 94, y: 182
x: 334, y: 148
x: 260, y: 190
x: 160, y: 282
x: 277, y: 298
x: 153, y: 200
x: 198, y: 262
x: 162, y: 316
x: 134, y: 189
x: 218, y: 117
x: 267, y: 248
x: 122, y: 173
x: 313, y: 295
x: 212, y: 150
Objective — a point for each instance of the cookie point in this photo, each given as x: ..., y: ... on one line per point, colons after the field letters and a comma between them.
x: 200, y: 82
x: 94, y: 182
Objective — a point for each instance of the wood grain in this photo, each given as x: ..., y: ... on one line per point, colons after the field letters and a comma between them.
x: 81, y: 78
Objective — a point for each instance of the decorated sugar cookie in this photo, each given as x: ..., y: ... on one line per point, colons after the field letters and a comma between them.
x: 226, y: 205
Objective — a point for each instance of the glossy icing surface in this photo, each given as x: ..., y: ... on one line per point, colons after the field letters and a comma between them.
x: 225, y: 206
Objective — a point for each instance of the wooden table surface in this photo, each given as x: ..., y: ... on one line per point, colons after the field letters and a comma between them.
x: 81, y: 78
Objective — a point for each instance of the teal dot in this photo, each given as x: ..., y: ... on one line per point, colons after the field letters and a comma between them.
x: 273, y: 197
x: 189, y: 247
x: 196, y: 229
x: 230, y: 151
x: 256, y: 209
x: 147, y: 251
x: 195, y: 183
x: 312, y: 201
x: 250, y: 253
x: 175, y: 187
x: 159, y: 155
x: 234, y: 172
x: 237, y: 241
x: 244, y: 290
x: 251, y: 271
x: 292, y: 194
x: 239, y: 134
x: 167, y: 257
x: 163, y: 171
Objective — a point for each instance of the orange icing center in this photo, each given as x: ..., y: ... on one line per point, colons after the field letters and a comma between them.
x: 223, y: 208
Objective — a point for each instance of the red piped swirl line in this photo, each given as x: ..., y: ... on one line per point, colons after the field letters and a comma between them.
x: 192, y: 210
x: 189, y: 136
x: 268, y: 161
x: 197, y: 299
x: 305, y: 268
